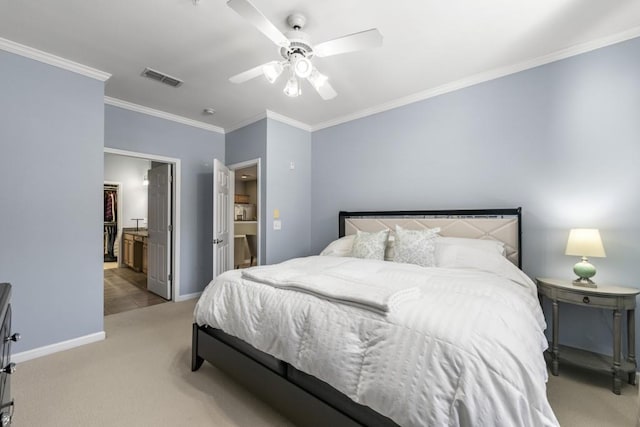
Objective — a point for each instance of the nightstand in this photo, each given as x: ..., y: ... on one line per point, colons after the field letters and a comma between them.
x: 614, y: 298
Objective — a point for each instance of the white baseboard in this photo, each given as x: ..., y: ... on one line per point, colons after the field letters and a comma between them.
x: 188, y: 296
x: 23, y: 356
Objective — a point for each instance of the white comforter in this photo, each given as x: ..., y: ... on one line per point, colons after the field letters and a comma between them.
x: 467, y: 351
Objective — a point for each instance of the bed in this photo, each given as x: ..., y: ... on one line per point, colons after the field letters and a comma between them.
x: 338, y: 340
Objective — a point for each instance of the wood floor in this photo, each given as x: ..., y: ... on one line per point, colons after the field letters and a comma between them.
x: 125, y: 289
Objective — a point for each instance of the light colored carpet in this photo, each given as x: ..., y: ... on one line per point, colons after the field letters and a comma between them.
x: 581, y: 397
x: 140, y: 376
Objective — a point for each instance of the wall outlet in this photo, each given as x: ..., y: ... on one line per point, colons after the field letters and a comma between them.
x: 277, y: 224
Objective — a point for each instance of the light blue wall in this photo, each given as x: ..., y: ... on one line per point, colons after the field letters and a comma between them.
x: 288, y: 191
x: 277, y: 145
x: 560, y: 140
x: 196, y: 148
x: 51, y: 139
x: 250, y: 143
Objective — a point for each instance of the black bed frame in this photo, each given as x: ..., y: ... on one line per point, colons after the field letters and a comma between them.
x: 463, y: 213
x: 302, y: 398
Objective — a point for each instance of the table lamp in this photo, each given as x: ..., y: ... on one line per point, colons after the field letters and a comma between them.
x: 585, y: 242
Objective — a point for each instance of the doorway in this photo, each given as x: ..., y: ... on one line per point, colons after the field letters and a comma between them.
x: 146, y: 245
x: 246, y: 214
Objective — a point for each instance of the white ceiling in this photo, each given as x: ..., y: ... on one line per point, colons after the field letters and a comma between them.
x: 429, y: 45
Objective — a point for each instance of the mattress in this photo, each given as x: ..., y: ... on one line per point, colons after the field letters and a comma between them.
x: 467, y: 350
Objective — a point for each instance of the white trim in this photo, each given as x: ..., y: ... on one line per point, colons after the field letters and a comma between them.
x: 177, y: 183
x: 56, y: 61
x: 257, y: 162
x: 484, y: 77
x: 189, y: 296
x: 271, y: 115
x: 23, y: 356
x: 161, y: 114
x: 288, y: 120
x: 246, y: 122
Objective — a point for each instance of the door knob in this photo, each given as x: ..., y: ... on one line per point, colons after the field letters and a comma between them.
x: 9, y: 369
x: 15, y: 337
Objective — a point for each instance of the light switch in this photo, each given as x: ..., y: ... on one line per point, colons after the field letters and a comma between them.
x: 276, y: 213
x: 277, y: 224
x: 292, y: 165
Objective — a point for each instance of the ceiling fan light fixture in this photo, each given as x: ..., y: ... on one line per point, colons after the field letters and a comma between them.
x: 272, y: 71
x: 296, y: 50
x: 292, y: 88
x: 303, y: 68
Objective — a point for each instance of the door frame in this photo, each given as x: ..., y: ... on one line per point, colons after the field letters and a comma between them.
x: 242, y: 165
x: 175, y: 267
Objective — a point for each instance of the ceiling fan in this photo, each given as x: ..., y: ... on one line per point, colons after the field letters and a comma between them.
x: 297, y: 51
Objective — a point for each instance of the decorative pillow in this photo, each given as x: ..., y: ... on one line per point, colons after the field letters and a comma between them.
x: 415, y: 246
x: 339, y: 247
x: 370, y: 245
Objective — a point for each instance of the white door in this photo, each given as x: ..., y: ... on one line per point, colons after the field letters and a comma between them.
x: 222, y: 239
x: 159, y: 226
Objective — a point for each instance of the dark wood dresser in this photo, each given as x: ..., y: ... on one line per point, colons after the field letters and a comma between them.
x: 6, y: 367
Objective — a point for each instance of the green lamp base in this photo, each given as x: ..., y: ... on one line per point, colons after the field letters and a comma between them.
x: 585, y: 271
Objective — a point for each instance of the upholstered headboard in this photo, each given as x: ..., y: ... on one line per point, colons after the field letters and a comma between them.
x: 503, y: 225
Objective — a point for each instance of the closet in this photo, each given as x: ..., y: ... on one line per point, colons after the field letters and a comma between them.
x: 110, y: 222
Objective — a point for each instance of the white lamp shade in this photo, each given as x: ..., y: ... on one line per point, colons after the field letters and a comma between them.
x: 303, y: 68
x: 272, y: 71
x: 317, y: 79
x: 585, y: 242
x: 292, y: 88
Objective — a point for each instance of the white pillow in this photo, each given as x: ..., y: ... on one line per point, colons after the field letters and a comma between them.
x: 370, y: 245
x: 493, y: 246
x: 415, y: 246
x: 459, y: 256
x: 339, y: 247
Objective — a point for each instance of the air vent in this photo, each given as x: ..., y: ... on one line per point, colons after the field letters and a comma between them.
x: 161, y: 77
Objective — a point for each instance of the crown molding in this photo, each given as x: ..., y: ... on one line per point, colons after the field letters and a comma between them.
x: 270, y: 115
x: 288, y: 120
x: 56, y: 61
x: 484, y: 77
x: 246, y: 122
x: 161, y: 114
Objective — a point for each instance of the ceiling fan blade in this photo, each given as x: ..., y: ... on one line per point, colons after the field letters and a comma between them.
x: 249, y: 12
x: 249, y: 74
x: 350, y: 43
x: 321, y: 84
